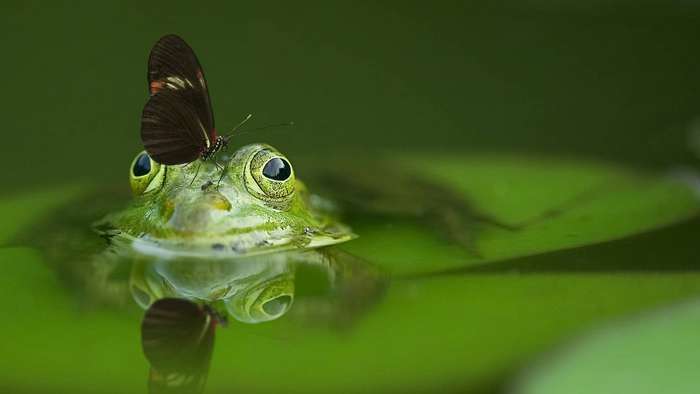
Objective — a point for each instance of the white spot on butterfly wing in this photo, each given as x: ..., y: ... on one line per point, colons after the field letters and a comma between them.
x: 204, y: 132
x: 175, y: 82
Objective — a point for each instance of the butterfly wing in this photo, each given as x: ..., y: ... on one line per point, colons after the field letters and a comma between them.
x: 171, y: 129
x: 173, y: 65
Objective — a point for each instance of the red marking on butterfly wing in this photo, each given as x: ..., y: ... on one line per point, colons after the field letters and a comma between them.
x: 156, y: 86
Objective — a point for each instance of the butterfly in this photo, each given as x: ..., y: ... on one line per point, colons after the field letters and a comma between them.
x: 177, y: 123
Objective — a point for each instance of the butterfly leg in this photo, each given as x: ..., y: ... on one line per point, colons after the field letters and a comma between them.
x: 223, y: 169
x: 196, y: 173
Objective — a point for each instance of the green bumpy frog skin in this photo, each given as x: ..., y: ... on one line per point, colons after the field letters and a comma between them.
x: 258, y: 206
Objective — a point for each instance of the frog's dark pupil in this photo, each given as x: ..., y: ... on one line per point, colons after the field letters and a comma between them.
x: 142, y: 165
x: 277, y: 169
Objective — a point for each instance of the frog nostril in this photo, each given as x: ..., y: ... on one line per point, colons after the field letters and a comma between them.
x: 218, y: 201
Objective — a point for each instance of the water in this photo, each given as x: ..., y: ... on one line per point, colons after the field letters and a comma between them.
x: 521, y: 108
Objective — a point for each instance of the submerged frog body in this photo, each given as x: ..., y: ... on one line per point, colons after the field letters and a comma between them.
x: 251, y: 204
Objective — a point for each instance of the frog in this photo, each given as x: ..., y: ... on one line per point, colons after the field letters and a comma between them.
x: 257, y: 206
x: 228, y: 234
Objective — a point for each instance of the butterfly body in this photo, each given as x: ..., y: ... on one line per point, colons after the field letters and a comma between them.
x: 219, y: 143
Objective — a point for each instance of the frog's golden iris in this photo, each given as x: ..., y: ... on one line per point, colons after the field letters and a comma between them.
x: 270, y: 177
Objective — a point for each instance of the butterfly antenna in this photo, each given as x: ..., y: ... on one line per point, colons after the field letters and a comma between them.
x: 241, y: 123
x: 270, y: 126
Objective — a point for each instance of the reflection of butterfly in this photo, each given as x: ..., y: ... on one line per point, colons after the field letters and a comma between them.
x: 178, y: 338
x: 177, y: 124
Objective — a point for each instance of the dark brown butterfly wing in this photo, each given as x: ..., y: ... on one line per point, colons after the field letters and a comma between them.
x: 177, y: 338
x: 171, y: 130
x: 173, y: 65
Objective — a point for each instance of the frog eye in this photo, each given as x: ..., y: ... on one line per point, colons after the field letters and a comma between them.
x: 270, y: 176
x: 145, y: 174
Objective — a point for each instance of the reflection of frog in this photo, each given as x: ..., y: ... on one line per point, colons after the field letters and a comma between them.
x: 187, y: 297
x: 251, y: 290
x: 259, y: 288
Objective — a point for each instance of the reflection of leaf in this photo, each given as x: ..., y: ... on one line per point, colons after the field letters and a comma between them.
x: 658, y: 353
x: 567, y: 203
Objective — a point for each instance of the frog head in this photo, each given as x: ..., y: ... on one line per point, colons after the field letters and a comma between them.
x: 247, y: 203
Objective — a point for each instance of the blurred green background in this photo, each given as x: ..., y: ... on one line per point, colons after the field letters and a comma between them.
x: 611, y: 79
x: 604, y: 81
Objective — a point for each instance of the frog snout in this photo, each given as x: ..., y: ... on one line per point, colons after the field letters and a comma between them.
x: 197, y: 215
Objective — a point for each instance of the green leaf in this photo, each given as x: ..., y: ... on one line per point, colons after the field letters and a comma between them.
x: 654, y: 353
x: 560, y: 204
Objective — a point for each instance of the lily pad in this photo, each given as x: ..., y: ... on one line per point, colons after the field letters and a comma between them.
x: 554, y: 204
x: 653, y: 353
